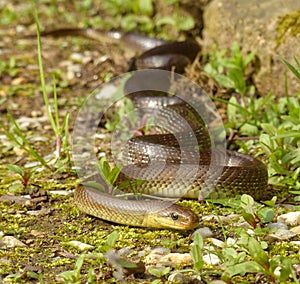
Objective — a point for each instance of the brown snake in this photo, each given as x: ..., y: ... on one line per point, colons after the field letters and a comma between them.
x: 236, y: 173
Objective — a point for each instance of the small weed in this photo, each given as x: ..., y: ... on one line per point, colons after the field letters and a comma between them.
x: 197, y: 252
x: 9, y: 68
x: 161, y: 273
x: 230, y: 72
x: 24, y: 174
x: 109, y: 174
x: 273, y: 121
x: 294, y: 69
x: 278, y: 268
x: 16, y: 136
x: 61, y: 131
x: 139, y: 15
x: 7, y: 15
x: 247, y: 255
x: 74, y: 276
x: 256, y: 215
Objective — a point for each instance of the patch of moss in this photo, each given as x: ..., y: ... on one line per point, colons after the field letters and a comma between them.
x: 285, y: 248
x: 288, y: 25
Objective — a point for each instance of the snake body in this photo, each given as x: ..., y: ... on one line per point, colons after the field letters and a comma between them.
x: 237, y: 173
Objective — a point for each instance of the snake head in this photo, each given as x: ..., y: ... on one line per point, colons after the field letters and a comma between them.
x: 174, y: 217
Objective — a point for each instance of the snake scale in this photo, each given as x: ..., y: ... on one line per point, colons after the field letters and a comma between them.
x: 237, y: 173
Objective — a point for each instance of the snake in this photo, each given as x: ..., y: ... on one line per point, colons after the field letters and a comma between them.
x: 238, y: 173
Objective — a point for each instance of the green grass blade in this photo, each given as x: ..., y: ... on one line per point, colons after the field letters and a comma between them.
x: 42, y: 77
x: 291, y: 67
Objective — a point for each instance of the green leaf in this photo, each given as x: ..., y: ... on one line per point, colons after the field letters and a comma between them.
x: 258, y: 253
x: 127, y: 264
x: 225, y: 81
x: 291, y: 67
x: 15, y: 187
x: 266, y: 143
x: 145, y: 7
x: 249, y: 218
x: 16, y: 169
x: 129, y: 22
x: 266, y: 215
x: 269, y: 128
x: 113, y: 175
x: 197, y: 251
x: 156, y: 281
x: 91, y: 276
x: 231, y: 110
x: 236, y: 77
x: 247, y: 202
x: 159, y: 272
x: 249, y: 129
x: 186, y: 23
x: 112, y: 238
x: 104, y: 168
x: 243, y: 268
x: 272, y: 202
x: 168, y: 20
x: 287, y: 134
x: 78, y: 266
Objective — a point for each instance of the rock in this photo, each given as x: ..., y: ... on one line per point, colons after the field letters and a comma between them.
x: 10, y: 242
x: 290, y: 219
x: 42, y: 212
x: 173, y: 259
x: 296, y: 230
x: 282, y: 235
x: 16, y: 199
x: 217, y: 243
x: 211, y: 259
x: 177, y: 278
x: 181, y: 278
x: 81, y: 246
x: 163, y: 258
x: 277, y: 226
x: 267, y: 28
x: 123, y: 266
x: 61, y: 192
x: 205, y: 232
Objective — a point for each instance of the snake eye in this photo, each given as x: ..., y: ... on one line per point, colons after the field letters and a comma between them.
x: 174, y: 216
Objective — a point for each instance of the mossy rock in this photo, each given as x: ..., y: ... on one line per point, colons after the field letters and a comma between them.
x: 268, y: 28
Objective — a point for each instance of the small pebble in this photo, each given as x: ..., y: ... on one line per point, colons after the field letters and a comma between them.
x: 205, y: 232
x: 61, y: 192
x: 281, y: 234
x: 178, y: 277
x: 106, y: 92
x: 174, y: 259
x: 217, y: 242
x: 125, y: 251
x: 290, y: 219
x: 81, y: 246
x: 296, y: 230
x: 277, y: 226
x: 211, y: 259
x: 10, y: 242
x: 42, y: 212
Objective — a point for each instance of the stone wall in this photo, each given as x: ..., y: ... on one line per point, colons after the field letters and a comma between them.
x: 268, y: 28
